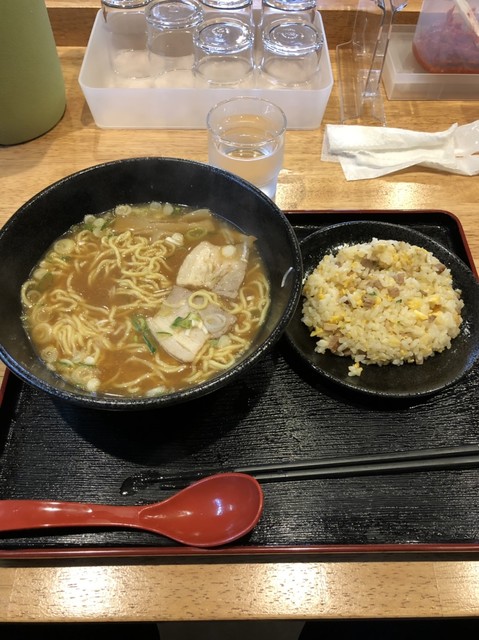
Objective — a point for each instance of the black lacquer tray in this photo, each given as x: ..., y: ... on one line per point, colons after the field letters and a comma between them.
x: 277, y: 412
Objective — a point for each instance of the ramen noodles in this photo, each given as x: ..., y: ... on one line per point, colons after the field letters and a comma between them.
x: 145, y: 300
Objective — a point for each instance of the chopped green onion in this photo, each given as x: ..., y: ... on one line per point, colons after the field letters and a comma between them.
x: 139, y: 324
x: 45, y: 281
x: 65, y: 363
x: 196, y: 233
x: 184, y: 323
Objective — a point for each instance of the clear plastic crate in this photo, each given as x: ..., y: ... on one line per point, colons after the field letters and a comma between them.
x: 185, y: 106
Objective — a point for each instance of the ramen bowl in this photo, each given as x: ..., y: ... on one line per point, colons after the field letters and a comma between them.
x: 30, y: 232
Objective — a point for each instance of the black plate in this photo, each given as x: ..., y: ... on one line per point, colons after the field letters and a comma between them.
x: 396, y: 382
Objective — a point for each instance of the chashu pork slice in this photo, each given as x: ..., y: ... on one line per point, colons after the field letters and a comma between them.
x: 183, y: 330
x: 218, y: 268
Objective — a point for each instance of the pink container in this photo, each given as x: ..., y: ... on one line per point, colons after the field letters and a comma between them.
x: 446, y: 39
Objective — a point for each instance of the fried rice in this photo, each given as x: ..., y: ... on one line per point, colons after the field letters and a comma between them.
x: 381, y: 302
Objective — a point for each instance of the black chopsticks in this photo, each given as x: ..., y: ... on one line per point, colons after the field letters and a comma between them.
x: 442, y: 458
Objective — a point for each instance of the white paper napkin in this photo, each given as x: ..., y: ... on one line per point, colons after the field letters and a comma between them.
x: 369, y: 152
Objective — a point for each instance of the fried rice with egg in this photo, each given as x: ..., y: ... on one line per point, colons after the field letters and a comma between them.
x: 381, y: 302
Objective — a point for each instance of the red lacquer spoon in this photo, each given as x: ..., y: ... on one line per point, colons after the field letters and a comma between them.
x: 211, y: 512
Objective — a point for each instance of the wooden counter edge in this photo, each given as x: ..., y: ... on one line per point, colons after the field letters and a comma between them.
x: 286, y: 590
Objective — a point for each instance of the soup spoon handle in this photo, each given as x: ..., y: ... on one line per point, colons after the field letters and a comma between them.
x: 34, y: 514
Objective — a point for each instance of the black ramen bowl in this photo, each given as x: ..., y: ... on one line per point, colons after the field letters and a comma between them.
x: 39, y: 222
x: 407, y: 382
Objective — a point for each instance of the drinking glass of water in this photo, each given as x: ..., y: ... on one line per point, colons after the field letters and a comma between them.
x: 246, y: 137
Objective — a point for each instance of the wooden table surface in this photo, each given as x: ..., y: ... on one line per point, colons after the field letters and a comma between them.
x: 281, y: 588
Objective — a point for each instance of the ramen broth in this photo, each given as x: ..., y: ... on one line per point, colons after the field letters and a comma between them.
x: 145, y: 300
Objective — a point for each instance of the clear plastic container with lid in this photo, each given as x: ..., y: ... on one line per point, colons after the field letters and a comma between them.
x: 290, y: 52
x: 171, y: 24
x: 446, y: 38
x: 223, y: 52
x: 125, y: 23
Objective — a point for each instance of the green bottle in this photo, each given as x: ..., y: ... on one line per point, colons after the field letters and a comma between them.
x: 32, y: 89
